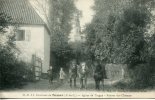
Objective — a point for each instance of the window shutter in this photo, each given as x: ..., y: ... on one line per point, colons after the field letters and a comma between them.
x: 27, y: 35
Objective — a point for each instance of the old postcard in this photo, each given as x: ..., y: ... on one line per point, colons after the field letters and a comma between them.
x: 77, y: 49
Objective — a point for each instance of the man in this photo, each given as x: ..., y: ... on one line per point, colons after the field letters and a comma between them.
x: 98, y: 75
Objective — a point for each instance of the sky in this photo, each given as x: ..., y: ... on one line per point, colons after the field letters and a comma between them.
x: 87, y: 12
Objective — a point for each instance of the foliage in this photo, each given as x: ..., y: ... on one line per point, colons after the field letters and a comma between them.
x: 61, y: 16
x: 118, y: 36
x: 101, y: 30
x: 11, y: 70
x: 140, y: 76
x: 4, y: 19
x: 78, y: 51
x: 113, y: 35
x: 130, y: 35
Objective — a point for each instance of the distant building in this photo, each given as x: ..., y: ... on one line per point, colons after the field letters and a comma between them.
x: 76, y: 35
x: 32, y: 35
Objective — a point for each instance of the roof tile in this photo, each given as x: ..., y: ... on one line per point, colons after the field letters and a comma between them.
x: 21, y: 11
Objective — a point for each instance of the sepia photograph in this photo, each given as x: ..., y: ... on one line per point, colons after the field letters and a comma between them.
x: 77, y: 48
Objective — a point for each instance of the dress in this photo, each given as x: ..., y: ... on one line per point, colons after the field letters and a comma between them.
x: 62, y: 74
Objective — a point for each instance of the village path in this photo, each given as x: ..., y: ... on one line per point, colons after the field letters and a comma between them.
x: 90, y: 86
x: 43, y: 85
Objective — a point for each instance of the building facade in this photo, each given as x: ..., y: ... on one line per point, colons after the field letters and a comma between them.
x: 32, y: 32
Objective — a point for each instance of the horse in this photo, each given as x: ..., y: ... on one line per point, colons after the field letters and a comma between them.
x: 73, y: 73
x: 83, y: 74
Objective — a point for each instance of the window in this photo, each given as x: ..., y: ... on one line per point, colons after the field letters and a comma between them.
x: 20, y: 35
x: 23, y: 35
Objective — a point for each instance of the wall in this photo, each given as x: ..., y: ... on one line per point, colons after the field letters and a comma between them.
x: 46, y: 51
x: 115, y: 71
x: 35, y: 46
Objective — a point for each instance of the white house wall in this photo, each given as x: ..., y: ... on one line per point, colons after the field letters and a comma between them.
x: 35, y: 45
x: 46, y: 61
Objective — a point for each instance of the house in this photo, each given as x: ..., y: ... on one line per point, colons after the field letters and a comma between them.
x: 32, y: 34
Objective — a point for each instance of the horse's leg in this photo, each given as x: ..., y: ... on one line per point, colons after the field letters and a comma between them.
x: 49, y: 82
x: 80, y: 83
x: 70, y: 82
x: 85, y: 83
x: 98, y: 84
x: 102, y: 84
x: 52, y: 81
x: 95, y: 84
x: 74, y: 82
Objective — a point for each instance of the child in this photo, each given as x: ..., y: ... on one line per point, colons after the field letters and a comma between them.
x: 50, y: 75
x: 62, y: 75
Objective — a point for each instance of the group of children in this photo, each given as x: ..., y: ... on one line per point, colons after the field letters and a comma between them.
x: 61, y: 75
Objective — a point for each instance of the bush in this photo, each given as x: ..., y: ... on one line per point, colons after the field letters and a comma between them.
x: 121, y: 85
x: 13, y: 72
x: 141, y: 76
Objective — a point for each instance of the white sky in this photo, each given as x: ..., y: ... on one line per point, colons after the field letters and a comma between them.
x: 87, y: 12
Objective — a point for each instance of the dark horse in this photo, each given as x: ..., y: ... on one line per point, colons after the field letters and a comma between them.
x: 99, y: 75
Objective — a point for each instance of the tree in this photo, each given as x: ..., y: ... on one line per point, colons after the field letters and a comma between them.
x: 61, y: 17
x: 118, y: 36
x: 4, y: 19
x: 100, y: 31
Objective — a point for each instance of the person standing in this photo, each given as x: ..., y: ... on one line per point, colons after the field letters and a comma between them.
x: 98, y: 75
x: 62, y: 75
x: 50, y: 75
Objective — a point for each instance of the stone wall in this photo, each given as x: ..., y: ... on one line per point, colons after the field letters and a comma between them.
x: 115, y: 72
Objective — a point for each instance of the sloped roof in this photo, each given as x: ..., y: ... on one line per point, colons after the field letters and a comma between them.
x: 21, y: 11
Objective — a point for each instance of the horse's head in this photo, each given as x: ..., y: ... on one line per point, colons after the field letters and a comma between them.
x: 83, y: 66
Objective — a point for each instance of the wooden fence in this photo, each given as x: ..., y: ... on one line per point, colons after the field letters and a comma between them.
x: 37, y: 67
